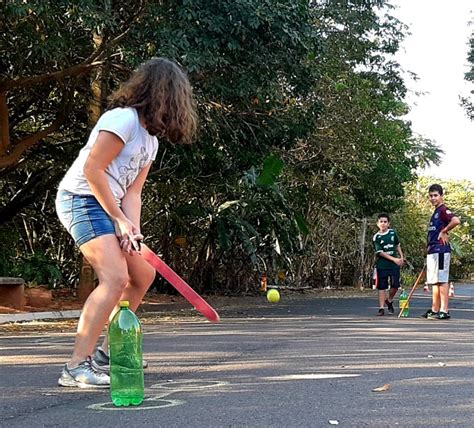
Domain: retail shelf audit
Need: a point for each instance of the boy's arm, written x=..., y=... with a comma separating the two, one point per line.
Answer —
x=399, y=248
x=443, y=236
x=400, y=252
x=387, y=256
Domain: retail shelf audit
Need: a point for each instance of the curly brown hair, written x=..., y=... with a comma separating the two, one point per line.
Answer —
x=160, y=91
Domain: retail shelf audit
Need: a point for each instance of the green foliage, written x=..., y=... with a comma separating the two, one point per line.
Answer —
x=7, y=252
x=408, y=277
x=468, y=102
x=37, y=269
x=254, y=227
x=412, y=221
x=271, y=170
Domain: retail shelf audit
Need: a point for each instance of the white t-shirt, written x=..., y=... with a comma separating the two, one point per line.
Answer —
x=139, y=150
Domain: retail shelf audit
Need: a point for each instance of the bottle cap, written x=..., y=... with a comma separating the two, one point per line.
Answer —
x=124, y=303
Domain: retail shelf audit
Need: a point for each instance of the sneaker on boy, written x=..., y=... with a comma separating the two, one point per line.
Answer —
x=83, y=376
x=443, y=315
x=381, y=312
x=433, y=316
x=390, y=306
x=428, y=313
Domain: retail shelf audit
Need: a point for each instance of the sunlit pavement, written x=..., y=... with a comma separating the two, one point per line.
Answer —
x=303, y=362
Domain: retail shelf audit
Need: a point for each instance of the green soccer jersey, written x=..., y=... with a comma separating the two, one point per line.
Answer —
x=388, y=243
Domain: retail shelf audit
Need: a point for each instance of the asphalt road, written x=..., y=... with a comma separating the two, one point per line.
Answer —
x=305, y=362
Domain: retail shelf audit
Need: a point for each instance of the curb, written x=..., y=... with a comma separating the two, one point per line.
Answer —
x=37, y=316
x=147, y=308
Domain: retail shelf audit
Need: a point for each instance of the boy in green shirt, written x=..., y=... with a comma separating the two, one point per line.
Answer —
x=389, y=259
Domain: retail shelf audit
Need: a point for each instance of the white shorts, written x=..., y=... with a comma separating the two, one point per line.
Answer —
x=437, y=268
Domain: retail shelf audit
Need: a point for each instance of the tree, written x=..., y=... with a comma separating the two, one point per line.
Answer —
x=467, y=102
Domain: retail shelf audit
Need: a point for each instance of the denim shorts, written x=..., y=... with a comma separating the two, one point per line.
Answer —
x=83, y=216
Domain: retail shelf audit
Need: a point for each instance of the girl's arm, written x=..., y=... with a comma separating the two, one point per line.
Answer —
x=132, y=201
x=104, y=151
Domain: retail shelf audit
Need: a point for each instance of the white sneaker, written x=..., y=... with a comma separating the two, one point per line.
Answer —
x=84, y=376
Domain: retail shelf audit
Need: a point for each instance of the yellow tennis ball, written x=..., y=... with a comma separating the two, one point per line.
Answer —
x=273, y=296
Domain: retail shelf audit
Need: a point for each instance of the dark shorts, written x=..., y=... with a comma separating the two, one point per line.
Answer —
x=386, y=277
x=83, y=216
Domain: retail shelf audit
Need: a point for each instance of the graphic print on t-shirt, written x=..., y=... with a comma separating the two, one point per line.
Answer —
x=128, y=173
x=388, y=243
x=439, y=220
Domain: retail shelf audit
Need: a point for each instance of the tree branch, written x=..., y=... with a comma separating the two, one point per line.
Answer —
x=27, y=82
x=4, y=125
x=35, y=185
x=15, y=154
x=97, y=58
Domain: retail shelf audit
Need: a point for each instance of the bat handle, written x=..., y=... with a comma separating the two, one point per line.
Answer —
x=137, y=244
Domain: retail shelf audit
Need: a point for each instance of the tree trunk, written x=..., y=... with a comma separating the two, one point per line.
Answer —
x=360, y=271
x=87, y=280
x=99, y=90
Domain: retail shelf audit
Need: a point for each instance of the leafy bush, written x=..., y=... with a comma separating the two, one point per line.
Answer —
x=38, y=269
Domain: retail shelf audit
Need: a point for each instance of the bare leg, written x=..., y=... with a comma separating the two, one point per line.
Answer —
x=391, y=296
x=382, y=297
x=436, y=298
x=109, y=263
x=141, y=276
x=444, y=297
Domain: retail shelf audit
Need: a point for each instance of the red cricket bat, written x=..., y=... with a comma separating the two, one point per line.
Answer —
x=177, y=282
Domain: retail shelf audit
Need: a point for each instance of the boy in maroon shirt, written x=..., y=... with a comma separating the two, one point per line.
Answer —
x=439, y=254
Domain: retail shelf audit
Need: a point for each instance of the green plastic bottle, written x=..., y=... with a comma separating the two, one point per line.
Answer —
x=402, y=300
x=127, y=386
